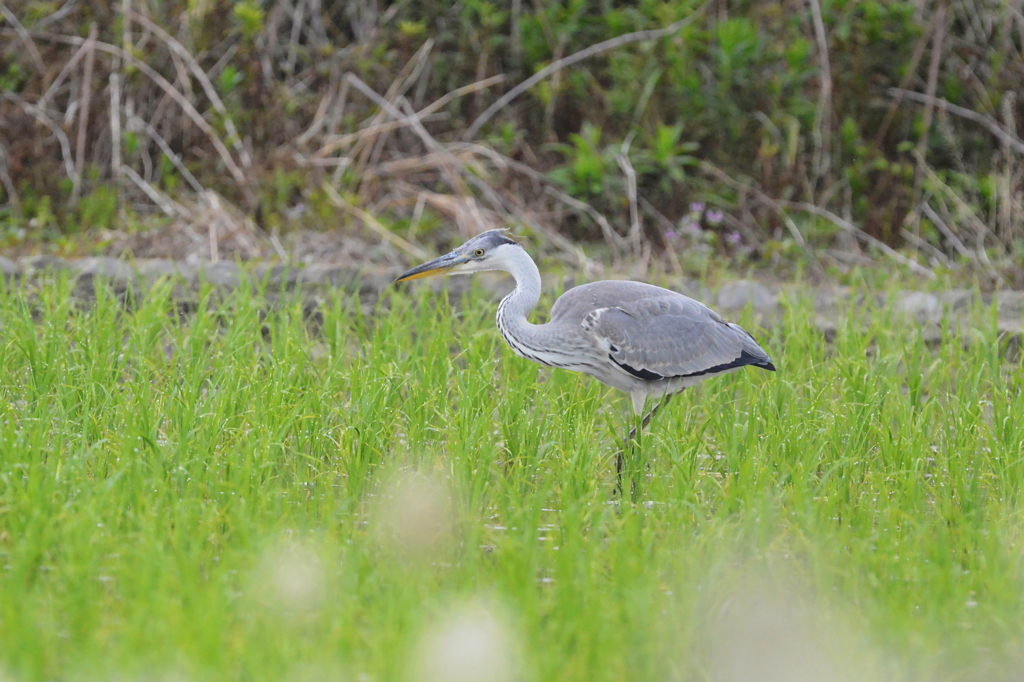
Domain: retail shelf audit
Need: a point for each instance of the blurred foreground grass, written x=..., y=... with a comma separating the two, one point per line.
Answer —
x=235, y=494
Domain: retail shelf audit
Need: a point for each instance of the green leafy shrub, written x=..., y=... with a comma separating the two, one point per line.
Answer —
x=98, y=209
x=586, y=173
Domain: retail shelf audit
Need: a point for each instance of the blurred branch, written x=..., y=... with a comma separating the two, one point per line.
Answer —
x=614, y=239
x=587, y=53
x=992, y=125
x=33, y=51
x=631, y=192
x=136, y=122
x=211, y=92
x=915, y=59
x=65, y=145
x=83, y=118
x=166, y=204
x=664, y=225
x=860, y=234
x=174, y=93
x=923, y=244
x=422, y=114
x=5, y=178
x=822, y=131
x=944, y=229
x=371, y=222
x=59, y=80
x=794, y=231
x=929, y=107
x=64, y=11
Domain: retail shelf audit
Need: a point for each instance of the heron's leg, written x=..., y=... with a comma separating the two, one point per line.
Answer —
x=620, y=458
x=650, y=415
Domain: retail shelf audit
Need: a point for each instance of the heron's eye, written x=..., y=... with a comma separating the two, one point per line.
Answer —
x=479, y=253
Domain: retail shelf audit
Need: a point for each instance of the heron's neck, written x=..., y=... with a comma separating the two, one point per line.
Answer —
x=514, y=308
x=524, y=297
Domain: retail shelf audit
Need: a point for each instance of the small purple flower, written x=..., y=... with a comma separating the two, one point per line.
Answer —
x=714, y=217
x=697, y=208
x=733, y=237
x=693, y=226
x=670, y=234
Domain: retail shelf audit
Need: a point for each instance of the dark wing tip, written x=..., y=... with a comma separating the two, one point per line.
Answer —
x=743, y=360
x=645, y=374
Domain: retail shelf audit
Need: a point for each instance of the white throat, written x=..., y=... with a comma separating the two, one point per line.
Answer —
x=514, y=260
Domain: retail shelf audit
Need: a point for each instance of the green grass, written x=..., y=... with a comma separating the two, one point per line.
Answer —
x=229, y=495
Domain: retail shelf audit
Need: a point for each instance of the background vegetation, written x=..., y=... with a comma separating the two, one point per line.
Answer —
x=760, y=130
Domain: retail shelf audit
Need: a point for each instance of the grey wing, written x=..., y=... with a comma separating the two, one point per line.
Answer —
x=654, y=333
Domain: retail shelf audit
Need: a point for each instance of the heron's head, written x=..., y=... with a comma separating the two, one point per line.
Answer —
x=489, y=250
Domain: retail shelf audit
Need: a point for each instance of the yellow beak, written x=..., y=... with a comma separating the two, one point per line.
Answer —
x=438, y=266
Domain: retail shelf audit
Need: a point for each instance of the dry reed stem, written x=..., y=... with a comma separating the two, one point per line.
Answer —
x=40, y=115
x=915, y=59
x=173, y=156
x=923, y=244
x=614, y=239
x=83, y=117
x=451, y=167
x=948, y=233
x=794, y=231
x=297, y=17
x=993, y=126
x=166, y=204
x=115, y=125
x=821, y=132
x=929, y=107
x=26, y=37
x=981, y=230
x=664, y=225
x=622, y=158
x=371, y=222
x=423, y=114
x=320, y=117
x=59, y=80
x=174, y=93
x=5, y=178
x=860, y=234
x=396, y=88
x=197, y=71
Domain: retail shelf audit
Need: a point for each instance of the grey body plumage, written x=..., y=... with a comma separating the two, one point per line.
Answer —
x=638, y=338
x=652, y=340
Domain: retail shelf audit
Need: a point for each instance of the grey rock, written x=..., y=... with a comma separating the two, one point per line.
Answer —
x=328, y=276
x=152, y=269
x=112, y=269
x=1011, y=303
x=1012, y=335
x=922, y=306
x=182, y=278
x=223, y=273
x=931, y=334
x=830, y=298
x=958, y=300
x=89, y=272
x=694, y=289
x=375, y=282
x=735, y=296
x=9, y=268
x=828, y=327
x=37, y=264
x=276, y=275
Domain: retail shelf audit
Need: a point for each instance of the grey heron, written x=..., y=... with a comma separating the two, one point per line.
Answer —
x=636, y=337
